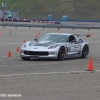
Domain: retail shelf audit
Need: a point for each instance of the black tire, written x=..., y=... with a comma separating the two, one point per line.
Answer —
x=25, y=58
x=61, y=53
x=85, y=51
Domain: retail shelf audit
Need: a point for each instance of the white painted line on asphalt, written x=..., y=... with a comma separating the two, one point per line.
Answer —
x=98, y=70
x=11, y=43
x=15, y=52
x=50, y=73
x=4, y=56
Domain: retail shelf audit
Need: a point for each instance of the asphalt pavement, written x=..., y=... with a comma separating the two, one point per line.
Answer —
x=47, y=79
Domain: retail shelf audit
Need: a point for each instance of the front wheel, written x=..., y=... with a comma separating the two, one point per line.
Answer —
x=25, y=58
x=85, y=51
x=61, y=53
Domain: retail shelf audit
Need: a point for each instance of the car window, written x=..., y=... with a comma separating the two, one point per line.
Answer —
x=54, y=38
x=71, y=38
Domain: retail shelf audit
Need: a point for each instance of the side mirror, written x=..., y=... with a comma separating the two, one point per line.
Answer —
x=36, y=39
x=74, y=41
x=80, y=40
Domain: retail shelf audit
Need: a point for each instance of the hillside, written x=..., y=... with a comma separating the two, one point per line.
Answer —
x=74, y=9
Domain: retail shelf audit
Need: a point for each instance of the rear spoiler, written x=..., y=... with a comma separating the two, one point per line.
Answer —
x=86, y=35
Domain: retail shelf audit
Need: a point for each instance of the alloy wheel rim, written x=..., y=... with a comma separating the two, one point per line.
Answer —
x=62, y=53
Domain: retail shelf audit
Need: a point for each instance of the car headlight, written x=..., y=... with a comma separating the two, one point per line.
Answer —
x=24, y=46
x=53, y=47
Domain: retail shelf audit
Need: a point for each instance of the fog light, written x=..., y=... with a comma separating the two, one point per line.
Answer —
x=22, y=51
x=51, y=53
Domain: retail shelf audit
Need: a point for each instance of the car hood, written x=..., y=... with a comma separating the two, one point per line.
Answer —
x=42, y=43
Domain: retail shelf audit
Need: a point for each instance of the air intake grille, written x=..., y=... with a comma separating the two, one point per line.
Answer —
x=36, y=53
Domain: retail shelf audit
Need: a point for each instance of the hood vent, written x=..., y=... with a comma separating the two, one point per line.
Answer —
x=41, y=44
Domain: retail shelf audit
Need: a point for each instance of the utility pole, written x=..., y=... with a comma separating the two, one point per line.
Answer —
x=12, y=16
x=3, y=12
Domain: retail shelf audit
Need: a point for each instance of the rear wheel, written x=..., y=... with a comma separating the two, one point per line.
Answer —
x=85, y=51
x=25, y=58
x=61, y=54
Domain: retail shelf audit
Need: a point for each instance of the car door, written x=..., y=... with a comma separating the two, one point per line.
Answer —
x=73, y=46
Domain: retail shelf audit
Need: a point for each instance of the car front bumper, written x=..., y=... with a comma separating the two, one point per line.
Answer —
x=39, y=54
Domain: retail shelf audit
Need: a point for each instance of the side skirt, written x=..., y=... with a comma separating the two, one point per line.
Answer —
x=73, y=56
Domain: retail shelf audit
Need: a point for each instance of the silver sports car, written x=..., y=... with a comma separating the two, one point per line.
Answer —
x=56, y=46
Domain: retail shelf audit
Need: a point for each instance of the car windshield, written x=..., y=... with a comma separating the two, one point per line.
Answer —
x=54, y=37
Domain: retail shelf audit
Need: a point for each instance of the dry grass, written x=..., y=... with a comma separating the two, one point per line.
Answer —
x=74, y=9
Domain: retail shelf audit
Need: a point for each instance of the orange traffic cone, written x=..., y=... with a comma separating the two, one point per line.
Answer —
x=0, y=34
x=90, y=65
x=38, y=33
x=17, y=49
x=9, y=53
x=24, y=41
x=91, y=35
x=36, y=36
x=10, y=32
x=58, y=28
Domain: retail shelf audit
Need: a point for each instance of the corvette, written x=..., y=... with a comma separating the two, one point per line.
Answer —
x=56, y=46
